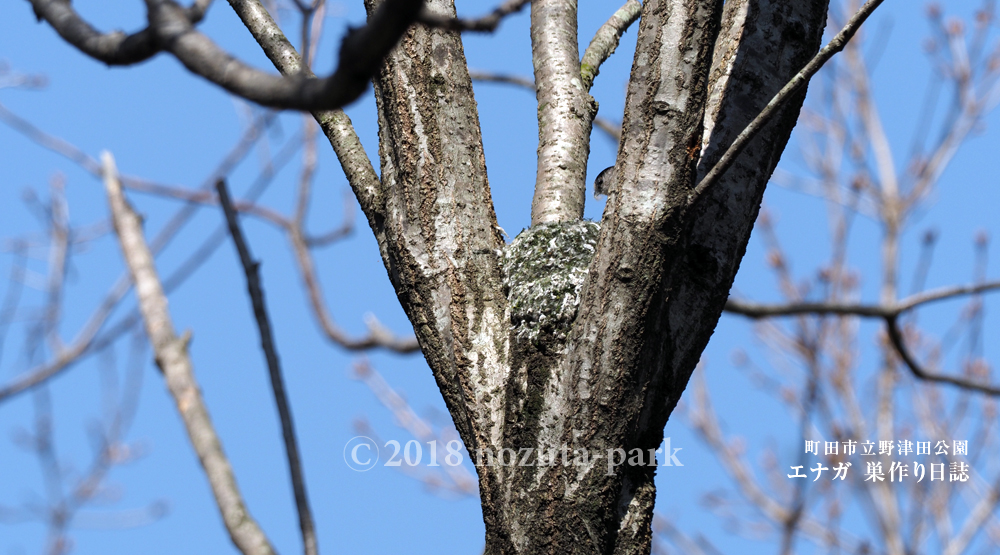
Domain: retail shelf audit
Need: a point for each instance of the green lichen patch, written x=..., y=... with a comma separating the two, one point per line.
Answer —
x=544, y=270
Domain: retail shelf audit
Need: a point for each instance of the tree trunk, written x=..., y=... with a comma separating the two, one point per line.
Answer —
x=605, y=375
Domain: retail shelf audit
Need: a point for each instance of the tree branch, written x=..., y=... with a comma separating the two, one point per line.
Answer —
x=888, y=313
x=345, y=228
x=896, y=338
x=12, y=79
x=755, y=310
x=40, y=374
x=87, y=340
x=92, y=166
x=335, y=124
x=978, y=515
x=252, y=270
x=115, y=48
x=489, y=77
x=613, y=130
x=704, y=420
x=662, y=270
x=605, y=41
x=171, y=29
x=565, y=113
x=462, y=482
x=378, y=336
x=361, y=52
x=615, y=358
x=438, y=235
x=485, y=24
x=55, y=144
x=196, y=196
x=175, y=363
x=801, y=79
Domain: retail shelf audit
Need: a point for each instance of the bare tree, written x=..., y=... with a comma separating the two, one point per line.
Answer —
x=578, y=336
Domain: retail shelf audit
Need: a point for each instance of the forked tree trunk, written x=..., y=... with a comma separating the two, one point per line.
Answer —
x=657, y=282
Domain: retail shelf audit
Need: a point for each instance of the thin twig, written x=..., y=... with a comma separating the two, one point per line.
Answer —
x=92, y=166
x=86, y=339
x=485, y=24
x=53, y=143
x=489, y=77
x=199, y=255
x=15, y=288
x=378, y=335
x=308, y=172
x=59, y=254
x=252, y=270
x=345, y=229
x=14, y=80
x=45, y=450
x=201, y=196
x=704, y=421
x=801, y=79
x=755, y=310
x=613, y=130
x=408, y=419
x=896, y=338
x=978, y=515
x=888, y=313
x=40, y=374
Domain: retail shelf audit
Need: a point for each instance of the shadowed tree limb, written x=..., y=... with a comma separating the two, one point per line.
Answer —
x=335, y=124
x=252, y=270
x=171, y=29
x=361, y=52
x=667, y=277
x=485, y=24
x=114, y=48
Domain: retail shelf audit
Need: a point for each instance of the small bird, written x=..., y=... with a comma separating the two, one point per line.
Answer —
x=605, y=179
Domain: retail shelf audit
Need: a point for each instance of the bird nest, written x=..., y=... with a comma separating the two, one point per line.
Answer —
x=544, y=270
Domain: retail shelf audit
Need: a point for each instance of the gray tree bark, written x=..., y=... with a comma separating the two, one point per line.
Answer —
x=597, y=360
x=656, y=285
x=578, y=337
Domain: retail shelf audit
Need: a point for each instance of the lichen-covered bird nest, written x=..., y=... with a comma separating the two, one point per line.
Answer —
x=544, y=270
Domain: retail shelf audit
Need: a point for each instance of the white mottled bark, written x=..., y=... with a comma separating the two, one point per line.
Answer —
x=565, y=113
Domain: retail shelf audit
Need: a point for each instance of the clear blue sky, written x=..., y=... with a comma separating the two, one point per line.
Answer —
x=168, y=126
